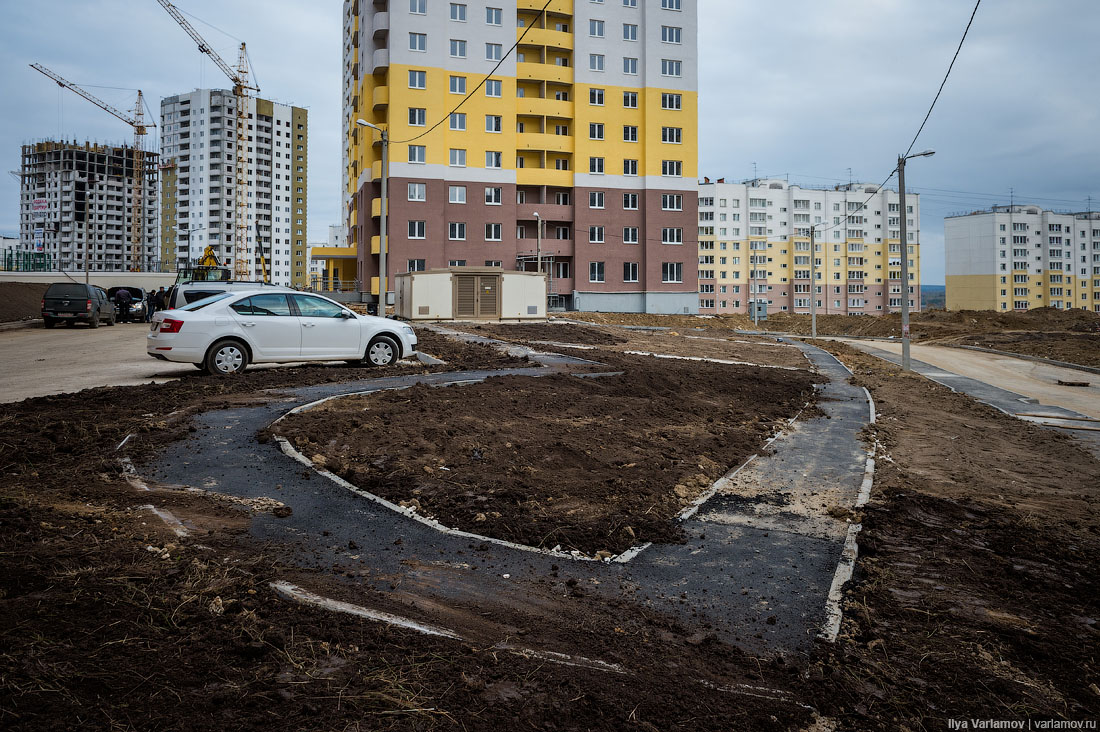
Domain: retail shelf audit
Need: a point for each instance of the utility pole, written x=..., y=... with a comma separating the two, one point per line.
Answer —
x=905, y=362
x=813, y=285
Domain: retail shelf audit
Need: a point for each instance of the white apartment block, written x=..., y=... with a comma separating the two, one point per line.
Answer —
x=198, y=203
x=1020, y=257
x=754, y=247
x=60, y=182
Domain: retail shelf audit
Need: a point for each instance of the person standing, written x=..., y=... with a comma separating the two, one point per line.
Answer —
x=150, y=304
x=161, y=299
x=123, y=299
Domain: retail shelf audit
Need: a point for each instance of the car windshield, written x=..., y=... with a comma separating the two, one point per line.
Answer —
x=200, y=304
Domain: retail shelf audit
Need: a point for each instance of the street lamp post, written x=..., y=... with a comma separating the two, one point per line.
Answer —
x=813, y=285
x=382, y=245
x=905, y=362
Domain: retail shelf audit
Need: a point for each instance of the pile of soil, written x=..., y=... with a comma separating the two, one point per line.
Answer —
x=975, y=591
x=562, y=333
x=593, y=464
x=1079, y=348
x=21, y=300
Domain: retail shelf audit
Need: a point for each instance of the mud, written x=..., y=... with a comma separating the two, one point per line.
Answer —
x=21, y=300
x=1079, y=348
x=594, y=464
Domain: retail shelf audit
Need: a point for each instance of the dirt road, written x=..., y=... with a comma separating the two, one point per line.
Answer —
x=1029, y=378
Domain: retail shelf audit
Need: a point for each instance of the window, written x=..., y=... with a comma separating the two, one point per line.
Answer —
x=630, y=100
x=630, y=167
x=671, y=34
x=672, y=202
x=418, y=79
x=561, y=270
x=493, y=123
x=630, y=201
x=456, y=194
x=595, y=28
x=417, y=153
x=630, y=235
x=415, y=265
x=561, y=198
x=630, y=65
x=494, y=159
x=672, y=135
x=672, y=235
x=670, y=67
x=595, y=271
x=418, y=42
x=595, y=62
x=492, y=263
x=417, y=229
x=458, y=157
x=420, y=7
x=672, y=272
x=630, y=271
x=458, y=48
x=630, y=3
x=595, y=165
x=458, y=85
x=672, y=168
x=595, y=235
x=492, y=51
x=630, y=133
x=493, y=231
x=493, y=196
x=595, y=199
x=458, y=121
x=560, y=164
x=671, y=101
x=456, y=231
x=494, y=88
x=630, y=32
x=418, y=117
x=670, y=5
x=595, y=131
x=595, y=97
x=418, y=192
x=456, y=262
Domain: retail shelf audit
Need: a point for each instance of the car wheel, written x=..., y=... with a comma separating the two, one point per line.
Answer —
x=226, y=357
x=382, y=351
x=48, y=322
x=93, y=322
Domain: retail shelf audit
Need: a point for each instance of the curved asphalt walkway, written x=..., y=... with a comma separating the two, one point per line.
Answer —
x=757, y=565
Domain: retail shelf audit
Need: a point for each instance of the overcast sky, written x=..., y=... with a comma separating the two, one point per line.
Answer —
x=802, y=88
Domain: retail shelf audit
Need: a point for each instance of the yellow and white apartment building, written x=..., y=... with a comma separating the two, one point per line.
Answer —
x=754, y=248
x=1020, y=257
x=588, y=127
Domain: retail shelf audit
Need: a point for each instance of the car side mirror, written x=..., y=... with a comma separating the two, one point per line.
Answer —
x=346, y=315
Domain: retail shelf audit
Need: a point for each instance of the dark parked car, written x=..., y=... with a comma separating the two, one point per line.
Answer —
x=137, y=302
x=73, y=302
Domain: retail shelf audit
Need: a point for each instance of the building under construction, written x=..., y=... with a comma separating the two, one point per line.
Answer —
x=74, y=193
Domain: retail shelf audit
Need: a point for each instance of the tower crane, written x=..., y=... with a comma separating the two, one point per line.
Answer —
x=241, y=87
x=137, y=121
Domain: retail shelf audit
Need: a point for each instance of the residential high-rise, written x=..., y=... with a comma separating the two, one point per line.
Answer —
x=589, y=127
x=1020, y=257
x=754, y=246
x=198, y=206
x=70, y=191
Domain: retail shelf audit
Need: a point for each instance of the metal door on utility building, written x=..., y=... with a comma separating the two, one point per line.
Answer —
x=476, y=296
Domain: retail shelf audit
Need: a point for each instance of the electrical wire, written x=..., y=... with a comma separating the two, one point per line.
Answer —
x=481, y=83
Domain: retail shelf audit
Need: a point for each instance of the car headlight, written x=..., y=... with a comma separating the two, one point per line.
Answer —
x=408, y=329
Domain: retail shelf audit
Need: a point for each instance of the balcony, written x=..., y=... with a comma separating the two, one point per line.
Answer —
x=376, y=244
x=540, y=107
x=544, y=72
x=562, y=7
x=381, y=59
x=546, y=37
x=376, y=207
x=548, y=211
x=376, y=170
x=381, y=97
x=381, y=24
x=544, y=177
x=544, y=141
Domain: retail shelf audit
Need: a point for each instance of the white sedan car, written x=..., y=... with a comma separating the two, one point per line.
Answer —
x=224, y=333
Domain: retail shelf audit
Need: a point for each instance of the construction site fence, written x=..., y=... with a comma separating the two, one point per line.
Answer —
x=20, y=261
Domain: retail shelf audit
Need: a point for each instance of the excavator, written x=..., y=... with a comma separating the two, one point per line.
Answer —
x=207, y=269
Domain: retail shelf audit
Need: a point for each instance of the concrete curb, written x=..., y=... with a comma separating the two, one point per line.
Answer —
x=21, y=324
x=1025, y=357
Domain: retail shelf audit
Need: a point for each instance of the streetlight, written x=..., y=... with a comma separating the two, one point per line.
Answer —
x=905, y=365
x=385, y=210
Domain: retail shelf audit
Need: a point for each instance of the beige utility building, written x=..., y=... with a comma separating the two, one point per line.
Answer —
x=470, y=293
x=1020, y=257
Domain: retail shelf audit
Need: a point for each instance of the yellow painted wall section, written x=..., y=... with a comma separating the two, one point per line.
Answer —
x=973, y=292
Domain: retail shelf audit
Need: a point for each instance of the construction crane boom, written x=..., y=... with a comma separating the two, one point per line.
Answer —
x=241, y=87
x=137, y=121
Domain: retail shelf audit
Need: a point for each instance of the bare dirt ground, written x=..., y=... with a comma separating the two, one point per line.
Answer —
x=21, y=300
x=592, y=464
x=1078, y=348
x=974, y=595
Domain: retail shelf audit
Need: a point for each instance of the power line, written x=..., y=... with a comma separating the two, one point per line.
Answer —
x=480, y=83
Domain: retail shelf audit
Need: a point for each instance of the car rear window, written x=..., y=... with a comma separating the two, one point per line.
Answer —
x=200, y=304
x=67, y=289
x=195, y=295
